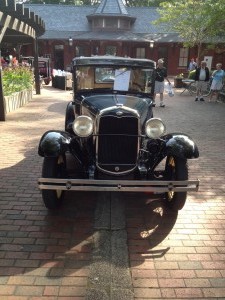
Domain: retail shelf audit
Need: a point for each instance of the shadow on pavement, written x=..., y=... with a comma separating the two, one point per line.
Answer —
x=149, y=222
x=35, y=240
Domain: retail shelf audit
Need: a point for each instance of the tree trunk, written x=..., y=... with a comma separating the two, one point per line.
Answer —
x=199, y=54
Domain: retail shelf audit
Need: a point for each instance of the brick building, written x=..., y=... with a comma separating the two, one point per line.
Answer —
x=111, y=28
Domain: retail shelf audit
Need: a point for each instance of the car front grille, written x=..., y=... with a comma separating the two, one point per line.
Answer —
x=117, y=143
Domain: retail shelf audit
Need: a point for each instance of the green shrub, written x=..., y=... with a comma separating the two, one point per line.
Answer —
x=16, y=79
x=191, y=74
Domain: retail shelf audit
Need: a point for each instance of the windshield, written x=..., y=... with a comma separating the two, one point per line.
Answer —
x=119, y=79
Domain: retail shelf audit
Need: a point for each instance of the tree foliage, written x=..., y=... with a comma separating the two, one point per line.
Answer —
x=196, y=21
x=135, y=3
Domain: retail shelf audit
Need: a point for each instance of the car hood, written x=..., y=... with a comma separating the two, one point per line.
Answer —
x=99, y=102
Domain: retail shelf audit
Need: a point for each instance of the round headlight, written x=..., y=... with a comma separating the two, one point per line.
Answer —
x=154, y=128
x=83, y=126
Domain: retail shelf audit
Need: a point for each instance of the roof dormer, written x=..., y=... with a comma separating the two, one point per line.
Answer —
x=111, y=15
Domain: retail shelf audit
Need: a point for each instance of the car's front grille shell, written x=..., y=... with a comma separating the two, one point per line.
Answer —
x=117, y=143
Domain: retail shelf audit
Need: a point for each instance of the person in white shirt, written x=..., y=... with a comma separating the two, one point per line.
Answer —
x=192, y=65
x=217, y=83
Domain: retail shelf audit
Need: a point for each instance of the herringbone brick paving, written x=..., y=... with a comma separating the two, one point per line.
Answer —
x=47, y=255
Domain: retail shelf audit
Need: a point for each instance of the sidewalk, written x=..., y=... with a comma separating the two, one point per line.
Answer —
x=55, y=255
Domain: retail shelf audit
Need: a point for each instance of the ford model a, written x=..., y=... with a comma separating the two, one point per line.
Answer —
x=113, y=138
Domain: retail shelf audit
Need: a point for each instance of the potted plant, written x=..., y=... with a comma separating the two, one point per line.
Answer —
x=17, y=86
x=178, y=83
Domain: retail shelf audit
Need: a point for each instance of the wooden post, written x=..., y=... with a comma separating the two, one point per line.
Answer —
x=36, y=69
x=2, y=105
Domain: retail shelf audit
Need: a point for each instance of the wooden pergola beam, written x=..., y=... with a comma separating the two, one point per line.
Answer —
x=15, y=18
x=5, y=20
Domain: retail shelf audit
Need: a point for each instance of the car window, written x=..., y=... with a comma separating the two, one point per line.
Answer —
x=116, y=78
x=84, y=78
x=103, y=75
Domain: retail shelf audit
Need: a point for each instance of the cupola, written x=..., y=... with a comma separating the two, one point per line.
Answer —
x=111, y=15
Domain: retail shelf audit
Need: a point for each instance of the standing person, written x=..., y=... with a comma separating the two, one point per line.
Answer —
x=161, y=75
x=217, y=82
x=201, y=78
x=192, y=65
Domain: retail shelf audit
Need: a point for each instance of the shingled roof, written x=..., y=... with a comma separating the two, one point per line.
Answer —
x=62, y=21
x=111, y=7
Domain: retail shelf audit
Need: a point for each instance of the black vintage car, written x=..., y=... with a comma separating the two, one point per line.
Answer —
x=111, y=140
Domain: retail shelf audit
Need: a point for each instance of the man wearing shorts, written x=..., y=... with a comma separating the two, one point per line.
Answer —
x=201, y=78
x=161, y=75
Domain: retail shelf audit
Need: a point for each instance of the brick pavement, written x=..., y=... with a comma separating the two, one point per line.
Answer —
x=47, y=255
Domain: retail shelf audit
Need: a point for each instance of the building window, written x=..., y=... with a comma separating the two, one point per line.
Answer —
x=98, y=23
x=59, y=47
x=47, y=56
x=80, y=51
x=124, y=24
x=110, y=50
x=126, y=52
x=183, y=58
x=111, y=23
x=95, y=50
x=140, y=52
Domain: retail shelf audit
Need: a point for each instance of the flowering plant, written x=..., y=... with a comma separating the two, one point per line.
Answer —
x=16, y=79
x=181, y=75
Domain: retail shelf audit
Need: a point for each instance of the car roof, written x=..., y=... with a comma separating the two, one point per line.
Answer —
x=108, y=60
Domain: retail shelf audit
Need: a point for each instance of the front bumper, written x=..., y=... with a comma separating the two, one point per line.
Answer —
x=117, y=185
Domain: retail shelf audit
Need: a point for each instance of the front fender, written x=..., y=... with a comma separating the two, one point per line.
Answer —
x=181, y=145
x=54, y=143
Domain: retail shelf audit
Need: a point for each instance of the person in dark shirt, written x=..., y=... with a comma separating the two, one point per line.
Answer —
x=202, y=79
x=161, y=75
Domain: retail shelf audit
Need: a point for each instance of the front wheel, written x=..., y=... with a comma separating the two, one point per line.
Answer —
x=47, y=81
x=53, y=167
x=176, y=169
